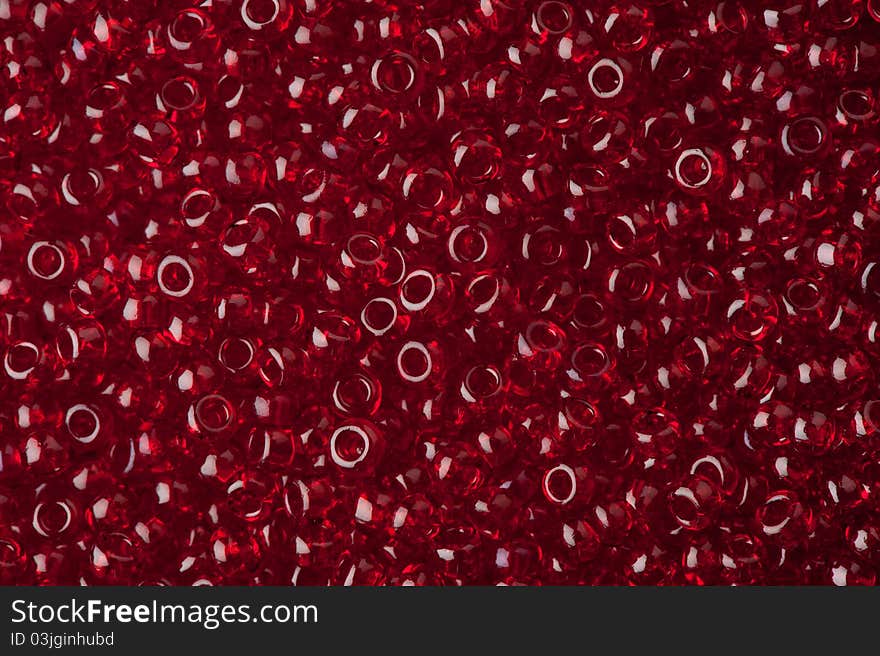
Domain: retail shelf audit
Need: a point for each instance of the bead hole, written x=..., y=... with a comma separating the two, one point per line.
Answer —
x=560, y=484
x=379, y=315
x=236, y=353
x=483, y=382
x=353, y=392
x=197, y=204
x=856, y=104
x=633, y=282
x=732, y=16
x=702, y=279
x=349, y=445
x=364, y=249
x=605, y=78
x=589, y=312
x=693, y=169
x=179, y=93
x=543, y=336
x=483, y=291
x=22, y=357
x=414, y=362
x=553, y=17
x=188, y=25
x=591, y=360
x=468, y=244
x=214, y=413
x=82, y=423
x=46, y=260
x=805, y=136
x=395, y=73
x=803, y=294
x=417, y=290
x=175, y=277
x=261, y=12
x=105, y=96
x=580, y=413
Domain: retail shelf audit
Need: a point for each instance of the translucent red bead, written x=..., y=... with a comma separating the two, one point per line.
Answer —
x=479, y=292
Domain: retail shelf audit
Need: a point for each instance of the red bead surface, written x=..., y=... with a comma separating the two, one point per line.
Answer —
x=416, y=293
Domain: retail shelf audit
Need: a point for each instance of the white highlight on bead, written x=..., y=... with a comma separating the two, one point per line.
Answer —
x=421, y=348
x=605, y=62
x=164, y=264
x=82, y=407
x=338, y=459
x=32, y=253
x=568, y=471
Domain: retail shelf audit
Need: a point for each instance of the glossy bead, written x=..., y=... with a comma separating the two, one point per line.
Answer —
x=356, y=448
x=501, y=292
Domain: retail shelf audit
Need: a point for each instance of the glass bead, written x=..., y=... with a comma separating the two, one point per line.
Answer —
x=502, y=292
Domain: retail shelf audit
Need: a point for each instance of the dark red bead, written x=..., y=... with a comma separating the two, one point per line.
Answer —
x=431, y=293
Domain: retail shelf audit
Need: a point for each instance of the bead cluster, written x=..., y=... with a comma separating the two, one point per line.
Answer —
x=439, y=292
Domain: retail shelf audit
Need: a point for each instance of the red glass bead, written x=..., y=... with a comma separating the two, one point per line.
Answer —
x=505, y=293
